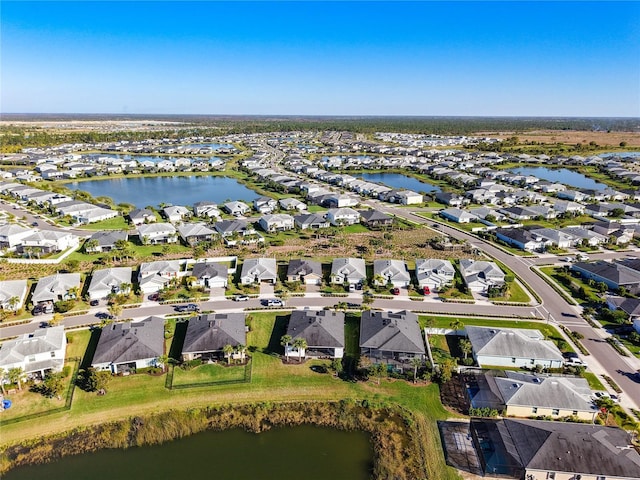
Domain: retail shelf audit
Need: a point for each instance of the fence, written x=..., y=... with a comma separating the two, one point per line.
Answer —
x=214, y=383
x=67, y=404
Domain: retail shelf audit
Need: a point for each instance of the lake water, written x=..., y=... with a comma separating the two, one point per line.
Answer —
x=397, y=180
x=561, y=175
x=309, y=452
x=178, y=190
x=213, y=146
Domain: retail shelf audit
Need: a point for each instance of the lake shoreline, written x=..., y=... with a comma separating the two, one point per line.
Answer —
x=395, y=434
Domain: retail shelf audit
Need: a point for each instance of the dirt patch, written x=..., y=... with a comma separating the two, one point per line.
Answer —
x=571, y=137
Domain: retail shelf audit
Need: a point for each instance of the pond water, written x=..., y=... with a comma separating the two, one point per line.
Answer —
x=561, y=175
x=397, y=180
x=213, y=146
x=310, y=452
x=178, y=190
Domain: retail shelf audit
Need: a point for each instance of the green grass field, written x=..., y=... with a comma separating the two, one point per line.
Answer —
x=116, y=223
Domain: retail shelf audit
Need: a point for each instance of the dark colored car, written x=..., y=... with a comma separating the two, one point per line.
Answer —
x=153, y=297
x=395, y=291
x=94, y=303
x=189, y=307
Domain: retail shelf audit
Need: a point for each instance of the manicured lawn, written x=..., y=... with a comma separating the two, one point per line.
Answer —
x=208, y=373
x=116, y=223
x=594, y=382
x=355, y=228
x=516, y=294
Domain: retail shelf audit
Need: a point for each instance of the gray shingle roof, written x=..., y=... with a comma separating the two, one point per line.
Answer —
x=211, y=332
x=210, y=270
x=393, y=332
x=303, y=266
x=511, y=342
x=130, y=341
x=324, y=328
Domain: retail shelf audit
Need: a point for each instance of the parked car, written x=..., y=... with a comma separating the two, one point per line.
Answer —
x=273, y=302
x=153, y=297
x=241, y=298
x=94, y=303
x=395, y=291
x=426, y=290
x=189, y=307
x=42, y=309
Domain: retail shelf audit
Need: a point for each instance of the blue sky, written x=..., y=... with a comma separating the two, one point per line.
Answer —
x=321, y=58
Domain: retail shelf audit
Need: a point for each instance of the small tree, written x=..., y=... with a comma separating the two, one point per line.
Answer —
x=379, y=370
x=300, y=344
x=336, y=366
x=447, y=366
x=456, y=325
x=228, y=351
x=115, y=310
x=285, y=340
x=16, y=376
x=162, y=361
x=416, y=362
x=241, y=349
x=56, y=319
x=465, y=347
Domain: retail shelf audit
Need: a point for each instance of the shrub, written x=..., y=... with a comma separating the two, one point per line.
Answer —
x=64, y=306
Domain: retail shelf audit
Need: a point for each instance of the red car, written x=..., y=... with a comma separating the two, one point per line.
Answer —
x=426, y=291
x=395, y=291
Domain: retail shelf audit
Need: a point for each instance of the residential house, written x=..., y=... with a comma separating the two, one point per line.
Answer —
x=12, y=294
x=450, y=199
x=140, y=216
x=613, y=274
x=48, y=241
x=323, y=331
x=348, y=270
x=264, y=205
x=391, y=338
x=258, y=270
x=206, y=210
x=391, y=272
x=156, y=233
x=234, y=231
x=125, y=347
x=292, y=204
x=195, y=233
x=518, y=394
x=434, y=273
x=343, y=216
x=61, y=286
x=481, y=275
x=154, y=276
x=110, y=281
x=375, y=218
x=457, y=215
x=512, y=347
x=237, y=209
x=106, y=240
x=210, y=274
x=338, y=201
x=310, y=220
x=176, y=214
x=583, y=235
x=11, y=235
x=522, y=239
x=568, y=207
x=308, y=272
x=207, y=335
x=35, y=353
x=278, y=222
x=407, y=197
x=555, y=237
x=540, y=450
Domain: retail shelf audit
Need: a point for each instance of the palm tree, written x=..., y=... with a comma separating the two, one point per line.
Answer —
x=285, y=340
x=115, y=310
x=228, y=351
x=379, y=279
x=465, y=347
x=16, y=375
x=90, y=245
x=162, y=360
x=300, y=344
x=13, y=303
x=456, y=325
x=241, y=349
x=416, y=362
x=56, y=319
x=284, y=295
